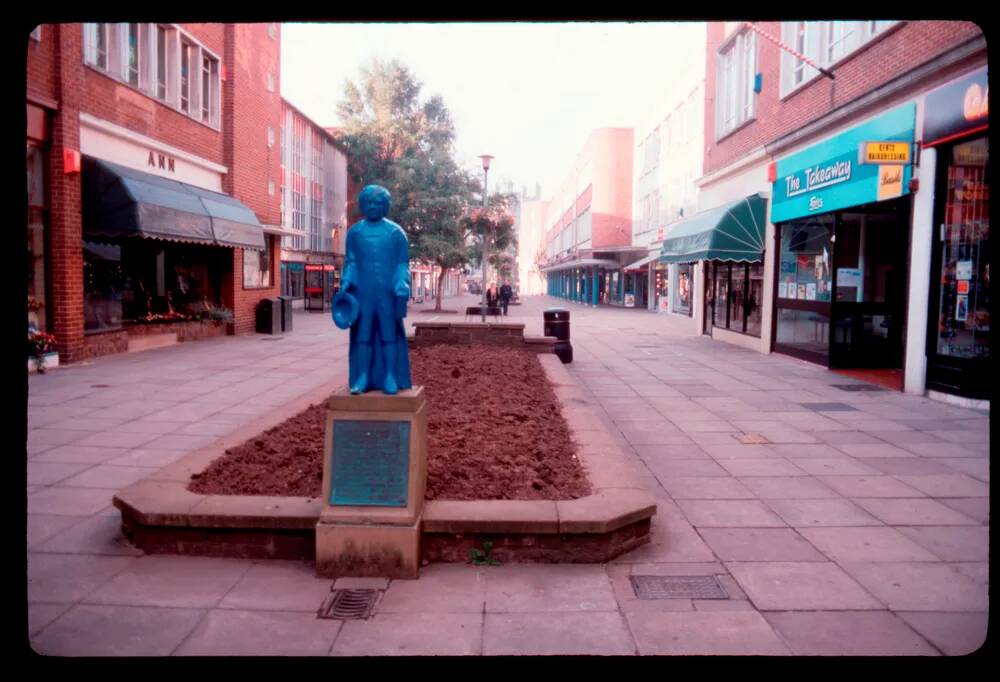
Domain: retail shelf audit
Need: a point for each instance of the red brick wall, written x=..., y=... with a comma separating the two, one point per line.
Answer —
x=42, y=63
x=65, y=220
x=884, y=58
x=249, y=108
x=111, y=100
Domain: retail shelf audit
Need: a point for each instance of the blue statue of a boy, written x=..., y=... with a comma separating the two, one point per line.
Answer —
x=375, y=287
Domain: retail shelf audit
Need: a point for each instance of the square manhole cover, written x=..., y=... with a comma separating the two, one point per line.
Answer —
x=858, y=387
x=677, y=587
x=829, y=407
x=752, y=439
x=348, y=604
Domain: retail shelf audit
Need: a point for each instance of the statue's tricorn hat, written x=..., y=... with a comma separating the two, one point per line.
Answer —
x=345, y=309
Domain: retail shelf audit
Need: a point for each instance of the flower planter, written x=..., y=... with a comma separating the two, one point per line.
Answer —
x=50, y=360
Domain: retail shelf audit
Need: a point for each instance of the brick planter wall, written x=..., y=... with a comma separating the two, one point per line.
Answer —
x=104, y=343
x=186, y=331
x=503, y=334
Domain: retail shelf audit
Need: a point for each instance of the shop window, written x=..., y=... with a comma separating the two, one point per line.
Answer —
x=737, y=67
x=682, y=288
x=37, y=214
x=103, y=284
x=720, y=296
x=662, y=288
x=257, y=267
x=963, y=325
x=736, y=292
x=755, y=296
x=804, y=271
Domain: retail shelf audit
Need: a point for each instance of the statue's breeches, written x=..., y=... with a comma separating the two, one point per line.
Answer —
x=377, y=310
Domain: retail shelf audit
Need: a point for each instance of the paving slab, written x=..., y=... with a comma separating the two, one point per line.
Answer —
x=96, y=535
x=955, y=634
x=700, y=633
x=147, y=457
x=848, y=633
x=947, y=485
x=909, y=466
x=672, y=539
x=110, y=476
x=976, y=467
x=911, y=586
x=952, y=543
x=667, y=469
x=729, y=514
x=88, y=630
x=747, y=468
x=788, y=487
x=172, y=581
x=737, y=450
x=759, y=544
x=822, y=512
x=59, y=499
x=80, y=454
x=914, y=512
x=801, y=586
x=278, y=586
x=706, y=488
x=61, y=578
x=548, y=634
x=43, y=526
x=117, y=439
x=47, y=473
x=40, y=615
x=411, y=634
x=942, y=449
x=226, y=632
x=835, y=466
x=548, y=587
x=442, y=588
x=870, y=486
x=977, y=508
x=866, y=544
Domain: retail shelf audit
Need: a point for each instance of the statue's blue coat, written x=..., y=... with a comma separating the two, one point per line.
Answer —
x=377, y=273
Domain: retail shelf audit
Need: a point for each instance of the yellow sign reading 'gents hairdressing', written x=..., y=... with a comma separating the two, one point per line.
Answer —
x=884, y=153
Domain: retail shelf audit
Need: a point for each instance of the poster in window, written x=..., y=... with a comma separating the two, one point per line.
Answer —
x=802, y=292
x=962, y=286
x=782, y=290
x=963, y=269
x=811, y=291
x=962, y=308
x=662, y=303
x=629, y=300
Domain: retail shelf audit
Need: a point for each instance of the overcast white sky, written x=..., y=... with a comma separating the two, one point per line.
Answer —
x=528, y=93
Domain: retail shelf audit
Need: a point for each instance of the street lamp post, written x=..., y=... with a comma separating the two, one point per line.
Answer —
x=486, y=172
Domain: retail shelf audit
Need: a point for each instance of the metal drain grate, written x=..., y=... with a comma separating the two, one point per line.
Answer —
x=858, y=387
x=677, y=587
x=348, y=604
x=273, y=338
x=101, y=386
x=829, y=407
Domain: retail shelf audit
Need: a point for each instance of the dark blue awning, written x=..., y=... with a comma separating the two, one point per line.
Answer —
x=122, y=202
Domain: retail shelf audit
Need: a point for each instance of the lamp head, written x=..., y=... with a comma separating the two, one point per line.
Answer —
x=486, y=161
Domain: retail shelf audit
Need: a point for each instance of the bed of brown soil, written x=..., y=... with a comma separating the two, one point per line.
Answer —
x=495, y=432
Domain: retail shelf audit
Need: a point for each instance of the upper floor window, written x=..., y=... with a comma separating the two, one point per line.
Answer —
x=161, y=61
x=737, y=67
x=272, y=30
x=37, y=33
x=824, y=43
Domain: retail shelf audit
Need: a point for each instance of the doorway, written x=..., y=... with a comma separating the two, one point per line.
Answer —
x=841, y=290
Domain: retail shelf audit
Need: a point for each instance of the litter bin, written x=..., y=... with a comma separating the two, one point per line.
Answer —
x=556, y=323
x=269, y=316
x=286, y=313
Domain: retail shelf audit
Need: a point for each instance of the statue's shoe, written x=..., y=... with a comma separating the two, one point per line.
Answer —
x=361, y=385
x=389, y=386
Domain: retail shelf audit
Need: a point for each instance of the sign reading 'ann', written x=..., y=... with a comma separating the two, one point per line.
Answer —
x=371, y=464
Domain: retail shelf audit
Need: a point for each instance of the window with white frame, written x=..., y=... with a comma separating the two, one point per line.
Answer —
x=161, y=61
x=823, y=42
x=737, y=67
x=257, y=266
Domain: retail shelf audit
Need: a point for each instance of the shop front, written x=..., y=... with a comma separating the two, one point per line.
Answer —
x=715, y=267
x=842, y=214
x=38, y=146
x=157, y=250
x=956, y=120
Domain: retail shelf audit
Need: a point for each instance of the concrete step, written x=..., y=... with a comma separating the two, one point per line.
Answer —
x=150, y=341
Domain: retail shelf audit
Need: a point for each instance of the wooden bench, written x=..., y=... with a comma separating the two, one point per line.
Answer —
x=477, y=311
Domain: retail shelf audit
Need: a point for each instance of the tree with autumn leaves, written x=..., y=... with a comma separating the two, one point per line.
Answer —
x=395, y=139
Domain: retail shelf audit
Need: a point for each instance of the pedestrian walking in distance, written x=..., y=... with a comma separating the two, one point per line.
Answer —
x=492, y=296
x=506, y=293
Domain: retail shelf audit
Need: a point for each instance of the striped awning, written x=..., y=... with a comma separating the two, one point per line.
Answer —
x=731, y=232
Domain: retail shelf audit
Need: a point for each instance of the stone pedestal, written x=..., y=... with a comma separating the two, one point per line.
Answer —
x=374, y=477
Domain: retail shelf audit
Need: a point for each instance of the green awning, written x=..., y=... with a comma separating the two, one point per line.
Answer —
x=731, y=232
x=122, y=202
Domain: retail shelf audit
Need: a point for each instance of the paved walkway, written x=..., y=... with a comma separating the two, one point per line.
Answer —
x=860, y=527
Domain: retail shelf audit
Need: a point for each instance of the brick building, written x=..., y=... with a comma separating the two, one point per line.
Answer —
x=151, y=178
x=815, y=235
x=588, y=237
